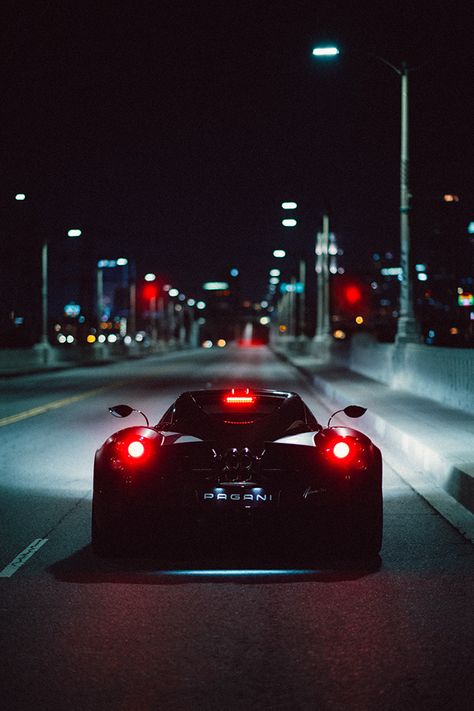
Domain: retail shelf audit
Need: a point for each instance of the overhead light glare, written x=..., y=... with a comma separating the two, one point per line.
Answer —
x=325, y=51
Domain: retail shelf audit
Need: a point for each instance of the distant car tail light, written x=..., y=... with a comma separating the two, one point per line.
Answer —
x=239, y=397
x=136, y=449
x=341, y=450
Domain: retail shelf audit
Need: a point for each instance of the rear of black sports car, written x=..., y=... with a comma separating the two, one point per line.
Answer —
x=220, y=462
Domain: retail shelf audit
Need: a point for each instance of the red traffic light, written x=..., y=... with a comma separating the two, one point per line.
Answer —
x=150, y=291
x=352, y=294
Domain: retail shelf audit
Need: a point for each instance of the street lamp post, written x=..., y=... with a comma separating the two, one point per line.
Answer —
x=43, y=343
x=323, y=321
x=44, y=295
x=407, y=328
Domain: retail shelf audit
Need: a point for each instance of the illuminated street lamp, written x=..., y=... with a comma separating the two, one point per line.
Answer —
x=407, y=329
x=325, y=52
x=289, y=222
x=43, y=341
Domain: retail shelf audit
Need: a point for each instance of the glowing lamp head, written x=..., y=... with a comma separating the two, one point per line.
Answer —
x=136, y=449
x=341, y=450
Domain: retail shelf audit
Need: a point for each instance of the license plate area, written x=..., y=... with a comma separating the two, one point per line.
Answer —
x=236, y=497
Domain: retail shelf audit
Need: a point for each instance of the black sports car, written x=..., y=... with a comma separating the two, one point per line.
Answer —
x=237, y=457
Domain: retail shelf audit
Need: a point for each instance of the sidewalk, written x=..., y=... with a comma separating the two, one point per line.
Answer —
x=431, y=446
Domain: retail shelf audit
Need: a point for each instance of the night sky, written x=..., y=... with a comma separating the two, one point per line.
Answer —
x=171, y=131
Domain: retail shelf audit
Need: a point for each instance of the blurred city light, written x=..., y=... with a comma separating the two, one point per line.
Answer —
x=391, y=271
x=279, y=253
x=215, y=286
x=289, y=222
x=201, y=305
x=265, y=320
x=173, y=292
x=191, y=302
x=275, y=272
x=111, y=263
x=451, y=198
x=20, y=196
x=289, y=205
x=74, y=233
x=234, y=272
x=221, y=342
x=422, y=276
x=150, y=276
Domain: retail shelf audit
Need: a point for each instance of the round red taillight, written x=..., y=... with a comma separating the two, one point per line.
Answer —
x=341, y=450
x=136, y=449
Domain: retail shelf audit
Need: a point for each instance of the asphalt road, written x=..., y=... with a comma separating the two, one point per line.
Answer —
x=78, y=632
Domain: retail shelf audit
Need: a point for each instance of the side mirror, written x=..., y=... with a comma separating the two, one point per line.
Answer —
x=354, y=411
x=121, y=410
x=350, y=411
x=125, y=411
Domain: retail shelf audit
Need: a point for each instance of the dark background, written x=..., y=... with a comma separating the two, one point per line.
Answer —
x=170, y=132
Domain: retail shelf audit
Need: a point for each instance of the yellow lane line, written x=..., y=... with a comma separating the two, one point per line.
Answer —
x=54, y=405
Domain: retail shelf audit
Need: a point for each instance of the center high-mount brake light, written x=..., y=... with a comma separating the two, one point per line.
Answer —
x=237, y=397
x=136, y=449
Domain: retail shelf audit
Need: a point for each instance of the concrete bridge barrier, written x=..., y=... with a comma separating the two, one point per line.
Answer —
x=445, y=375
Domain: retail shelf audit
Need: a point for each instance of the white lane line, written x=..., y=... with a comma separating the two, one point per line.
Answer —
x=10, y=419
x=22, y=557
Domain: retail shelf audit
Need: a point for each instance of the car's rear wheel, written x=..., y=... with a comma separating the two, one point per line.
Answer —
x=106, y=539
x=111, y=536
x=362, y=526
